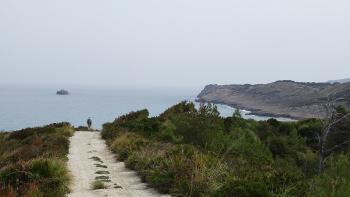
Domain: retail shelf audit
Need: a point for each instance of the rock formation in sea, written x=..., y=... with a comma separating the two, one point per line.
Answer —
x=62, y=92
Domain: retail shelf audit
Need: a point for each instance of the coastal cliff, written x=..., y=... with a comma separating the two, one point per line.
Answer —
x=286, y=98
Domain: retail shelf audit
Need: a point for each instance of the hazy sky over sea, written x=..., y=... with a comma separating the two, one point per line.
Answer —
x=173, y=42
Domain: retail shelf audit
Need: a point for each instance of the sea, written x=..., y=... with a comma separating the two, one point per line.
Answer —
x=23, y=106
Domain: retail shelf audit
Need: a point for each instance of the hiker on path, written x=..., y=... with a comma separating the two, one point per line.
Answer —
x=89, y=122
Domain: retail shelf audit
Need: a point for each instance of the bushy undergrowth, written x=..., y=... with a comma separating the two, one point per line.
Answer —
x=190, y=152
x=336, y=180
x=33, y=161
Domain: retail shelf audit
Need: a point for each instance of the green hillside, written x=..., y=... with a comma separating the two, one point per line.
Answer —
x=190, y=152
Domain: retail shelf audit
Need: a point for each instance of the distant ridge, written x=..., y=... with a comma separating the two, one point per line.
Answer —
x=285, y=98
x=339, y=81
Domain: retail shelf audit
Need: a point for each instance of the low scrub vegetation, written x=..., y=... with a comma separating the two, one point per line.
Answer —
x=194, y=152
x=33, y=161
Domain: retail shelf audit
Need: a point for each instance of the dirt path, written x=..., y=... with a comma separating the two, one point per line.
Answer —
x=89, y=154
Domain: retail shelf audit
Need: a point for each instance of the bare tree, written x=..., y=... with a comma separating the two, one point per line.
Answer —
x=330, y=119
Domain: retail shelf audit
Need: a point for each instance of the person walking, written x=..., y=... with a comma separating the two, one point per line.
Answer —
x=89, y=122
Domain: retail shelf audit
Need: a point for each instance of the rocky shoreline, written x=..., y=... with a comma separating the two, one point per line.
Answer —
x=252, y=111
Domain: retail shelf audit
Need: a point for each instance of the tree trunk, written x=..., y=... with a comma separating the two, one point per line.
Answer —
x=321, y=162
x=322, y=155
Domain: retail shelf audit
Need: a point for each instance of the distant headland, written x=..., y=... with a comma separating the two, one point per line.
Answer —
x=285, y=98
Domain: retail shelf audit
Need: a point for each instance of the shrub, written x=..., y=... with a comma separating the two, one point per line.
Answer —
x=167, y=132
x=97, y=184
x=126, y=143
x=52, y=174
x=278, y=146
x=242, y=188
x=335, y=181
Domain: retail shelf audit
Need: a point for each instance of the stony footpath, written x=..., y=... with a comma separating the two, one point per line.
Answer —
x=91, y=160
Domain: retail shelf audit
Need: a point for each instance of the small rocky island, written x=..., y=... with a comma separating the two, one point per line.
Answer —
x=62, y=92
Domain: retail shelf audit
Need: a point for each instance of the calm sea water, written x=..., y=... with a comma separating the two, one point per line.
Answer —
x=26, y=106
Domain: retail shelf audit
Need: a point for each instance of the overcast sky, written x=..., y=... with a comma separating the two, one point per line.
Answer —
x=173, y=42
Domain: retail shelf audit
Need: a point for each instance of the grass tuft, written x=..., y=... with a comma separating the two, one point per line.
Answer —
x=103, y=178
x=98, y=185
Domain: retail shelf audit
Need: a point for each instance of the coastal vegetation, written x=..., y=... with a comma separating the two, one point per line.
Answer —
x=194, y=152
x=33, y=161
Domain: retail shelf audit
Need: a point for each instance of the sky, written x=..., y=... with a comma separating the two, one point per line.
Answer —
x=181, y=43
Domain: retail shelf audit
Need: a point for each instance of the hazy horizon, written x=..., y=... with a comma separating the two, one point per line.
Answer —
x=162, y=43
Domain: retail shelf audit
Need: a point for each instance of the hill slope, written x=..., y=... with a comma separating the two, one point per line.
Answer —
x=281, y=98
x=33, y=161
x=340, y=81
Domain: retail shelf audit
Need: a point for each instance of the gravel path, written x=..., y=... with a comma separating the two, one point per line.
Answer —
x=89, y=154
